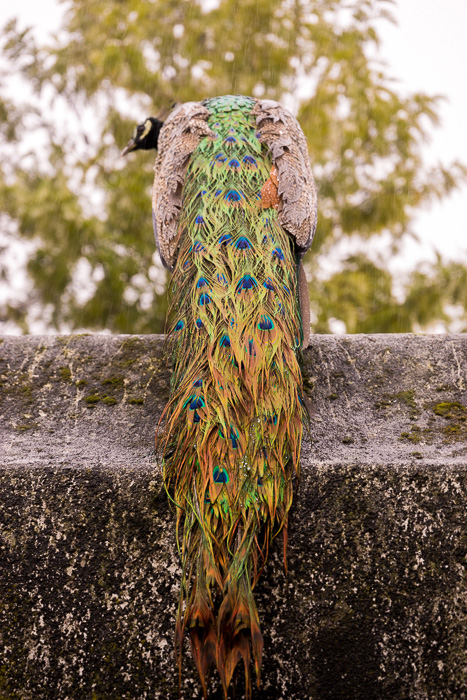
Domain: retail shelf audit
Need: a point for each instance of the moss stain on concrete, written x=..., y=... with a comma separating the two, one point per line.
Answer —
x=374, y=603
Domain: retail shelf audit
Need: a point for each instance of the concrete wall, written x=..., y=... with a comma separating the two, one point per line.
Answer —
x=375, y=603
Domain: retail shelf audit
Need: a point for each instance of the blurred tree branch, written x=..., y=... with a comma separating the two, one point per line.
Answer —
x=88, y=214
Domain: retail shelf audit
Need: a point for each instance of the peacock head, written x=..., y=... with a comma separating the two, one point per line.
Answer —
x=145, y=137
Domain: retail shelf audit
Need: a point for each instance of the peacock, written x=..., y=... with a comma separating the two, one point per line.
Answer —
x=234, y=210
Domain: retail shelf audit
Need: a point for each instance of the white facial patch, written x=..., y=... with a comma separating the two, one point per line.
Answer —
x=147, y=128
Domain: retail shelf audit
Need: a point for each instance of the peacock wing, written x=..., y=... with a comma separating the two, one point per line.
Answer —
x=297, y=208
x=179, y=137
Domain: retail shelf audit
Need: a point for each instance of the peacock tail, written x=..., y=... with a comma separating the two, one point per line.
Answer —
x=234, y=421
x=234, y=209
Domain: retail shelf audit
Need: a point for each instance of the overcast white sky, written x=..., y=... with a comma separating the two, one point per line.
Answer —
x=427, y=52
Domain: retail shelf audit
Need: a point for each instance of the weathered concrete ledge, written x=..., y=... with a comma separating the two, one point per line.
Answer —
x=375, y=603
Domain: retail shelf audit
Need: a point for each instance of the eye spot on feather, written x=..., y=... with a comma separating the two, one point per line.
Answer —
x=204, y=299
x=220, y=475
x=243, y=243
x=246, y=283
x=266, y=323
x=250, y=161
x=225, y=239
x=234, y=437
x=233, y=196
x=278, y=254
x=179, y=325
x=197, y=402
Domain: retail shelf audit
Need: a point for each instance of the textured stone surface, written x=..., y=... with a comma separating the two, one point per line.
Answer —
x=375, y=603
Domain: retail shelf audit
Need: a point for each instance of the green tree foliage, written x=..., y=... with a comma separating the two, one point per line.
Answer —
x=84, y=212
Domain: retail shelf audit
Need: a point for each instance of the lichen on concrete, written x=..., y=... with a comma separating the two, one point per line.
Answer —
x=375, y=602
